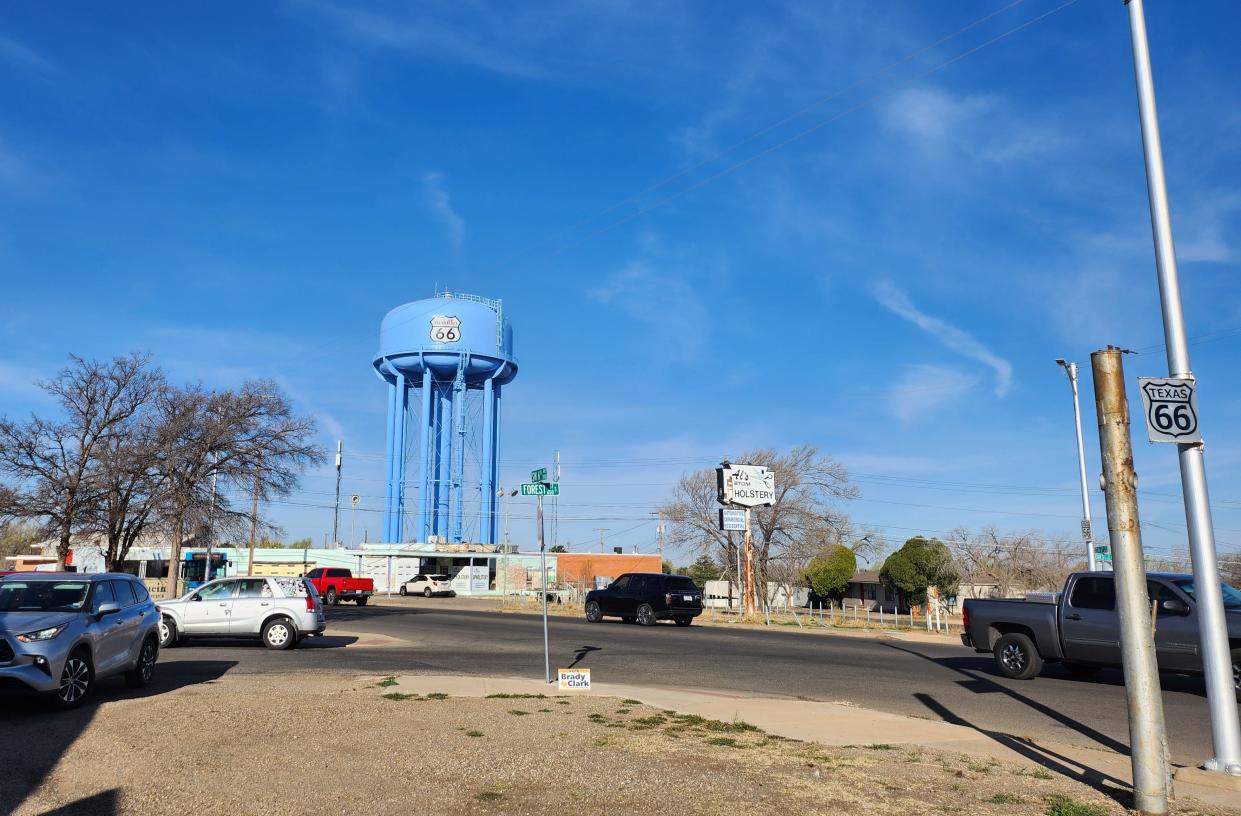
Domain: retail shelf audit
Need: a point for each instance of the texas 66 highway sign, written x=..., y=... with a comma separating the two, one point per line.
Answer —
x=1171, y=409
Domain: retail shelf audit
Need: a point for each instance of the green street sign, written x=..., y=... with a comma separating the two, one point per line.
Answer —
x=539, y=475
x=540, y=489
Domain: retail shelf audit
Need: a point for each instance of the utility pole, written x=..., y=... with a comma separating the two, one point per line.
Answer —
x=556, y=499
x=1212, y=626
x=748, y=591
x=601, y=531
x=254, y=524
x=336, y=514
x=1087, y=531
x=1148, y=742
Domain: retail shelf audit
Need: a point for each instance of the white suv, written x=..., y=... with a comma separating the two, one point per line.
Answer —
x=281, y=611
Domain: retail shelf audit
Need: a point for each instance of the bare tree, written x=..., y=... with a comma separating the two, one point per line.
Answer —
x=1012, y=562
x=803, y=520
x=249, y=440
x=51, y=466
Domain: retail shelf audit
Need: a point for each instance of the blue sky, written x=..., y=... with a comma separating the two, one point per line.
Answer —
x=887, y=269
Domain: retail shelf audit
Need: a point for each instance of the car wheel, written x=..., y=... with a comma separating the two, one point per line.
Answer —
x=167, y=633
x=1016, y=657
x=427, y=593
x=593, y=613
x=646, y=615
x=1081, y=669
x=140, y=675
x=330, y=597
x=362, y=599
x=404, y=591
x=683, y=621
x=279, y=633
x=77, y=679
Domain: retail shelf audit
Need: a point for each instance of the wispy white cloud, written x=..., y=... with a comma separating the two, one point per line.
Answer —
x=20, y=56
x=441, y=205
x=957, y=339
x=923, y=389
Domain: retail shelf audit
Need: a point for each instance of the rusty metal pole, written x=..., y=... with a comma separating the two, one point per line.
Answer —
x=1148, y=742
x=749, y=588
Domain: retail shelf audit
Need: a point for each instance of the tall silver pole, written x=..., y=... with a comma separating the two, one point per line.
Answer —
x=1148, y=741
x=1087, y=530
x=1212, y=626
x=336, y=512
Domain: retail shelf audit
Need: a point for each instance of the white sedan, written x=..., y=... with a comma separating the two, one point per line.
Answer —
x=428, y=585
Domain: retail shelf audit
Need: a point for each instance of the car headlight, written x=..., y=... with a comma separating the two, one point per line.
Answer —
x=42, y=634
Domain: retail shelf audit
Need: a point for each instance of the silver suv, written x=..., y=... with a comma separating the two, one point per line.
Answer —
x=280, y=611
x=61, y=633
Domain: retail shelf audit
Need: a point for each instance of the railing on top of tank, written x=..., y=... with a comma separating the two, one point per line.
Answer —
x=494, y=303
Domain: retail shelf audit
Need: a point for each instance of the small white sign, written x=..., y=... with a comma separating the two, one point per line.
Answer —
x=1171, y=409
x=732, y=519
x=445, y=329
x=749, y=486
x=574, y=679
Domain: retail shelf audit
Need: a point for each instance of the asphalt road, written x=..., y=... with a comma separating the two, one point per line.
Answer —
x=945, y=682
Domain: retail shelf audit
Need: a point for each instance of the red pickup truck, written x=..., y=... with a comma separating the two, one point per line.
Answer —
x=334, y=585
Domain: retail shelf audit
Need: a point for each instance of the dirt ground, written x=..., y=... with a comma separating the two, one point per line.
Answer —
x=322, y=744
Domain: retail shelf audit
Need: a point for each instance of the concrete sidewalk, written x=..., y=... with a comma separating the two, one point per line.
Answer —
x=839, y=724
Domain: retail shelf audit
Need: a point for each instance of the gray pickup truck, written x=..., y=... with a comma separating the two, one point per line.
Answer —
x=1079, y=627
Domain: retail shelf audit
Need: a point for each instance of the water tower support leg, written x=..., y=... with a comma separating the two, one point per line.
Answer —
x=488, y=486
x=444, y=433
x=424, y=454
x=387, y=529
x=494, y=442
x=402, y=405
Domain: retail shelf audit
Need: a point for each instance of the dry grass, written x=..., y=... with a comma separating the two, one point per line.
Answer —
x=257, y=742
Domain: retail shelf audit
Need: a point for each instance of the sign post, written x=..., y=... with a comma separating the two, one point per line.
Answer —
x=1212, y=625
x=746, y=486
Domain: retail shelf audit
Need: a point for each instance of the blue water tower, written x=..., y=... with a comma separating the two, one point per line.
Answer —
x=453, y=353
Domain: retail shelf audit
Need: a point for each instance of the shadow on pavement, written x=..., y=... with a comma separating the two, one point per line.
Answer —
x=580, y=653
x=1106, y=784
x=35, y=736
x=337, y=614
x=320, y=642
x=970, y=668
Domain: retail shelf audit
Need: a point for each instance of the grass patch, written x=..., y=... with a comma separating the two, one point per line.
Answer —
x=1059, y=805
x=881, y=746
x=563, y=702
x=1042, y=773
x=398, y=696
x=597, y=718
x=980, y=767
x=545, y=711
x=650, y=722
x=488, y=796
x=474, y=734
x=437, y=695
x=729, y=742
x=623, y=710
x=387, y=681
x=1005, y=799
x=517, y=712
x=690, y=719
x=630, y=701
x=516, y=696
x=734, y=727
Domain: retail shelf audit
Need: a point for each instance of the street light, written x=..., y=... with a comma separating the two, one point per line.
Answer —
x=1071, y=370
x=503, y=491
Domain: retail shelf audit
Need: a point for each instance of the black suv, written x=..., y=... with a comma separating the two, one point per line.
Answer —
x=646, y=597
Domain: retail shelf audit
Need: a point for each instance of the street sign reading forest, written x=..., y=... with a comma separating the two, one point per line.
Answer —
x=539, y=475
x=540, y=489
x=746, y=485
x=1171, y=409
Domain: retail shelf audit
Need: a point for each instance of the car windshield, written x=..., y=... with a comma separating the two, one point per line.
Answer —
x=1232, y=598
x=43, y=596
